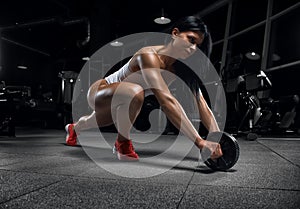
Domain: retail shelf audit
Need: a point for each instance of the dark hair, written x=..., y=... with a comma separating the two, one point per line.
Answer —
x=193, y=23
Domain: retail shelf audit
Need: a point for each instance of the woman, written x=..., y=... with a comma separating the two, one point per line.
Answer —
x=119, y=93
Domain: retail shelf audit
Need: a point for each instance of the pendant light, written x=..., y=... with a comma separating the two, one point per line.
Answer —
x=162, y=19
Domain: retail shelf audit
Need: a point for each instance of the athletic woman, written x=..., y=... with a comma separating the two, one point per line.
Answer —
x=122, y=93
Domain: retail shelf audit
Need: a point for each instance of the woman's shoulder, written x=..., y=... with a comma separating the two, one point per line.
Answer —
x=148, y=54
x=149, y=49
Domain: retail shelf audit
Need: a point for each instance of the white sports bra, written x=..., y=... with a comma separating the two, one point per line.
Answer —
x=125, y=74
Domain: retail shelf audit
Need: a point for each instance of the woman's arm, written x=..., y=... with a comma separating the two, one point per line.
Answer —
x=149, y=64
x=206, y=115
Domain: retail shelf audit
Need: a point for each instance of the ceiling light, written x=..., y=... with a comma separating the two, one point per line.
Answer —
x=85, y=58
x=22, y=67
x=116, y=43
x=275, y=57
x=252, y=56
x=162, y=19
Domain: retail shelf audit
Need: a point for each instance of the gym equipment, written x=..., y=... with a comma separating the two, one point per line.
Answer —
x=12, y=98
x=243, y=93
x=68, y=79
x=278, y=115
x=142, y=122
x=158, y=124
x=230, y=149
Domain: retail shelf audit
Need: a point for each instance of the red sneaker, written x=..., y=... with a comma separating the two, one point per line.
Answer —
x=71, y=138
x=125, y=151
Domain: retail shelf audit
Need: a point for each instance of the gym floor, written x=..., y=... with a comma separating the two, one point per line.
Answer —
x=37, y=170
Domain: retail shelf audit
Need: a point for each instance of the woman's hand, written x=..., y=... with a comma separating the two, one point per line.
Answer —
x=209, y=149
x=214, y=148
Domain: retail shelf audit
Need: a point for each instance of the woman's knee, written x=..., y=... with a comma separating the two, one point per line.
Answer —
x=119, y=94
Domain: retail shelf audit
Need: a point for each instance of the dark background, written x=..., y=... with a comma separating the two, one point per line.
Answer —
x=52, y=36
x=46, y=35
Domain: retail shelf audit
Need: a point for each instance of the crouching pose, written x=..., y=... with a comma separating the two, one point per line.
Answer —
x=121, y=94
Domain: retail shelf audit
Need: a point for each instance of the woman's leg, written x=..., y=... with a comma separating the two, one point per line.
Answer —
x=119, y=103
x=86, y=122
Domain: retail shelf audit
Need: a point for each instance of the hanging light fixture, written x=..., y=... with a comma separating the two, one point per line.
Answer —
x=116, y=43
x=22, y=65
x=252, y=55
x=275, y=57
x=162, y=19
x=85, y=58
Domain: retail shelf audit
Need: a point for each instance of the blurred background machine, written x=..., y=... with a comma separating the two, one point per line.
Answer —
x=251, y=108
x=12, y=99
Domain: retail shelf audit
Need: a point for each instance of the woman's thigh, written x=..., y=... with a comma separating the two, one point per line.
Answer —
x=106, y=98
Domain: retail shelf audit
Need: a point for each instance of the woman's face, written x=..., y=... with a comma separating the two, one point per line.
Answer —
x=186, y=42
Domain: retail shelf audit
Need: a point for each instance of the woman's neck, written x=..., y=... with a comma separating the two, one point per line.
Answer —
x=166, y=55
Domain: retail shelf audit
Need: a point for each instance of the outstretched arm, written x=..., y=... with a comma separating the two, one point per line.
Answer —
x=149, y=64
x=151, y=71
x=206, y=115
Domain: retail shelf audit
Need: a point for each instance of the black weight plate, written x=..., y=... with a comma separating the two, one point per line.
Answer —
x=230, y=149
